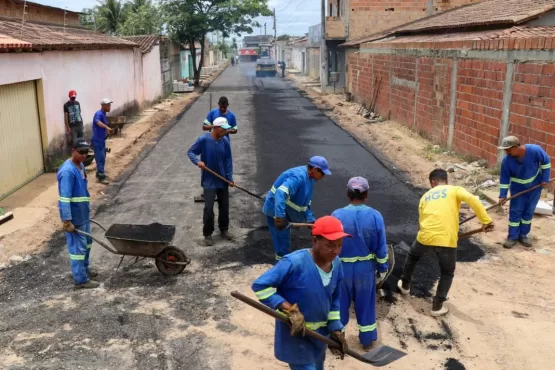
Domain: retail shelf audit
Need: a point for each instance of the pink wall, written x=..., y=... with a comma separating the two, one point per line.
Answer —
x=152, y=75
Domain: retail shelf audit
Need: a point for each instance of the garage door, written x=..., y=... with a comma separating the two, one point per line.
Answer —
x=20, y=139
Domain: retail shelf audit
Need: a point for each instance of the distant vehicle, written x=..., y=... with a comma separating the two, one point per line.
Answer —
x=266, y=67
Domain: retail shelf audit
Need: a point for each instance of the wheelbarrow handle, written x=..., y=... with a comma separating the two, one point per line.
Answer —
x=97, y=240
x=99, y=225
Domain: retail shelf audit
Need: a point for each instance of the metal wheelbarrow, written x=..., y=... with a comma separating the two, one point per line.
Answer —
x=144, y=241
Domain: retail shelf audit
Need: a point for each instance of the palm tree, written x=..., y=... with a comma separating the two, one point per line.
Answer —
x=134, y=5
x=110, y=15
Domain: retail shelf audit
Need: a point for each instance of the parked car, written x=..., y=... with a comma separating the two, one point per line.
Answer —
x=266, y=67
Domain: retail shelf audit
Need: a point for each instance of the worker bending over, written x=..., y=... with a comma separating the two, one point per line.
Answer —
x=74, y=203
x=363, y=256
x=523, y=167
x=313, y=304
x=289, y=201
x=215, y=153
x=439, y=232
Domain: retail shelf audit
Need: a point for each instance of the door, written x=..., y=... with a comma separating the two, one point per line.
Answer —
x=20, y=138
x=303, y=58
x=191, y=70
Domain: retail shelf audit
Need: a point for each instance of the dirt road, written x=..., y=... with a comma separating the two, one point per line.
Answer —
x=139, y=319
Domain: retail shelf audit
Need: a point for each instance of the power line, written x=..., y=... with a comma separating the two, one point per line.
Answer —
x=286, y=6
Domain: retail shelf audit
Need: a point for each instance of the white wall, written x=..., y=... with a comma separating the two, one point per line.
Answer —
x=152, y=75
x=297, y=59
x=94, y=74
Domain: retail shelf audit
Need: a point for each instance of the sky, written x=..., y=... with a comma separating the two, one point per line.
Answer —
x=293, y=16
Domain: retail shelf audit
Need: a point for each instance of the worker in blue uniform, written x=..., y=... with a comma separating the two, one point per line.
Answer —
x=221, y=111
x=364, y=258
x=312, y=304
x=215, y=153
x=289, y=201
x=523, y=167
x=74, y=204
x=101, y=130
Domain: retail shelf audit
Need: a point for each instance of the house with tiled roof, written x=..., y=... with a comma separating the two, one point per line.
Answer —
x=466, y=77
x=45, y=53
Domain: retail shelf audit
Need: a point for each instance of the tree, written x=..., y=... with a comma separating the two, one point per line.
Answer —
x=234, y=43
x=224, y=48
x=109, y=16
x=189, y=21
x=88, y=18
x=143, y=20
x=284, y=37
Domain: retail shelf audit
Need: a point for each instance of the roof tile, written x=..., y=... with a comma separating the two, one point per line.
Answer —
x=146, y=42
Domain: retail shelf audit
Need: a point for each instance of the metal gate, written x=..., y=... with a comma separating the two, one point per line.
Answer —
x=20, y=138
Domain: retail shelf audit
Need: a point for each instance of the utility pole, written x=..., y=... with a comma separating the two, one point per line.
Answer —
x=275, y=36
x=323, y=50
x=264, y=29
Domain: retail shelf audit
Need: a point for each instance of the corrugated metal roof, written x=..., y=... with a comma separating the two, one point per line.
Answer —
x=32, y=36
x=146, y=42
x=503, y=13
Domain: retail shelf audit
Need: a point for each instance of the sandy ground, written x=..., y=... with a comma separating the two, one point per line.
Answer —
x=35, y=205
x=502, y=314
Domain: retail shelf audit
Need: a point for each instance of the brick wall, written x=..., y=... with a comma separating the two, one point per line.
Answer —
x=371, y=16
x=38, y=13
x=415, y=90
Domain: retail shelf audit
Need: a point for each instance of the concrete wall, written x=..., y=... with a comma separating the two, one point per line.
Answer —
x=313, y=62
x=38, y=13
x=464, y=95
x=152, y=75
x=297, y=59
x=96, y=74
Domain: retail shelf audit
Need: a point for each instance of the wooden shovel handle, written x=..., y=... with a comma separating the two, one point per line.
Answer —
x=229, y=182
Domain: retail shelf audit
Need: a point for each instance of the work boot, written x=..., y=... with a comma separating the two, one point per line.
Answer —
x=227, y=235
x=92, y=272
x=368, y=347
x=438, y=309
x=208, y=241
x=403, y=287
x=525, y=241
x=509, y=243
x=91, y=284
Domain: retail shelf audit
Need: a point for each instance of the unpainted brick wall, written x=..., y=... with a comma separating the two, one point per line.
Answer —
x=38, y=13
x=416, y=92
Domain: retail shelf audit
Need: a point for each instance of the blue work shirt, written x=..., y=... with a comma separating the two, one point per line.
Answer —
x=99, y=133
x=215, y=113
x=291, y=196
x=74, y=199
x=296, y=279
x=524, y=173
x=368, y=241
x=216, y=155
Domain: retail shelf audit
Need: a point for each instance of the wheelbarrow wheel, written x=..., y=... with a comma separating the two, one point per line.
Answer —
x=171, y=254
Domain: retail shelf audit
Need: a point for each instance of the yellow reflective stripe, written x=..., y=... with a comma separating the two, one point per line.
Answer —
x=316, y=325
x=333, y=315
x=288, y=202
x=545, y=166
x=382, y=260
x=273, y=189
x=367, y=328
x=503, y=186
x=207, y=122
x=74, y=199
x=525, y=222
x=526, y=181
x=369, y=257
x=309, y=203
x=278, y=257
x=77, y=257
x=284, y=189
x=89, y=246
x=514, y=224
x=266, y=293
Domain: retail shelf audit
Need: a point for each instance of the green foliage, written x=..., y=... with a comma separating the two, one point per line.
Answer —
x=189, y=21
x=234, y=43
x=284, y=37
x=110, y=15
x=224, y=48
x=142, y=20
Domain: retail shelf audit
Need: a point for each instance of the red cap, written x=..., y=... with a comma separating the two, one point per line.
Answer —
x=329, y=227
x=72, y=93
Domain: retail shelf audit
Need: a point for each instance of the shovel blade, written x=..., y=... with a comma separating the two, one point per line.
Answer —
x=402, y=247
x=383, y=356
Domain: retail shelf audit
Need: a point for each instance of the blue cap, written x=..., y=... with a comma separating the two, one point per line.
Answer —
x=321, y=163
x=358, y=183
x=221, y=122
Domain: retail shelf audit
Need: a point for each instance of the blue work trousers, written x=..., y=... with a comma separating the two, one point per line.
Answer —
x=280, y=238
x=79, y=247
x=318, y=365
x=99, y=148
x=521, y=212
x=359, y=286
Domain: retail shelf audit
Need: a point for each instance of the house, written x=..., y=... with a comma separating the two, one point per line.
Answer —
x=348, y=20
x=157, y=66
x=257, y=41
x=187, y=61
x=467, y=77
x=298, y=53
x=43, y=56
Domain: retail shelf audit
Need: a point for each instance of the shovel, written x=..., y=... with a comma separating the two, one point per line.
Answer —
x=378, y=357
x=235, y=185
x=506, y=200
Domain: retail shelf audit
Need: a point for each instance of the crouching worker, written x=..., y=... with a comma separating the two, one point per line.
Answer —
x=74, y=203
x=314, y=304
